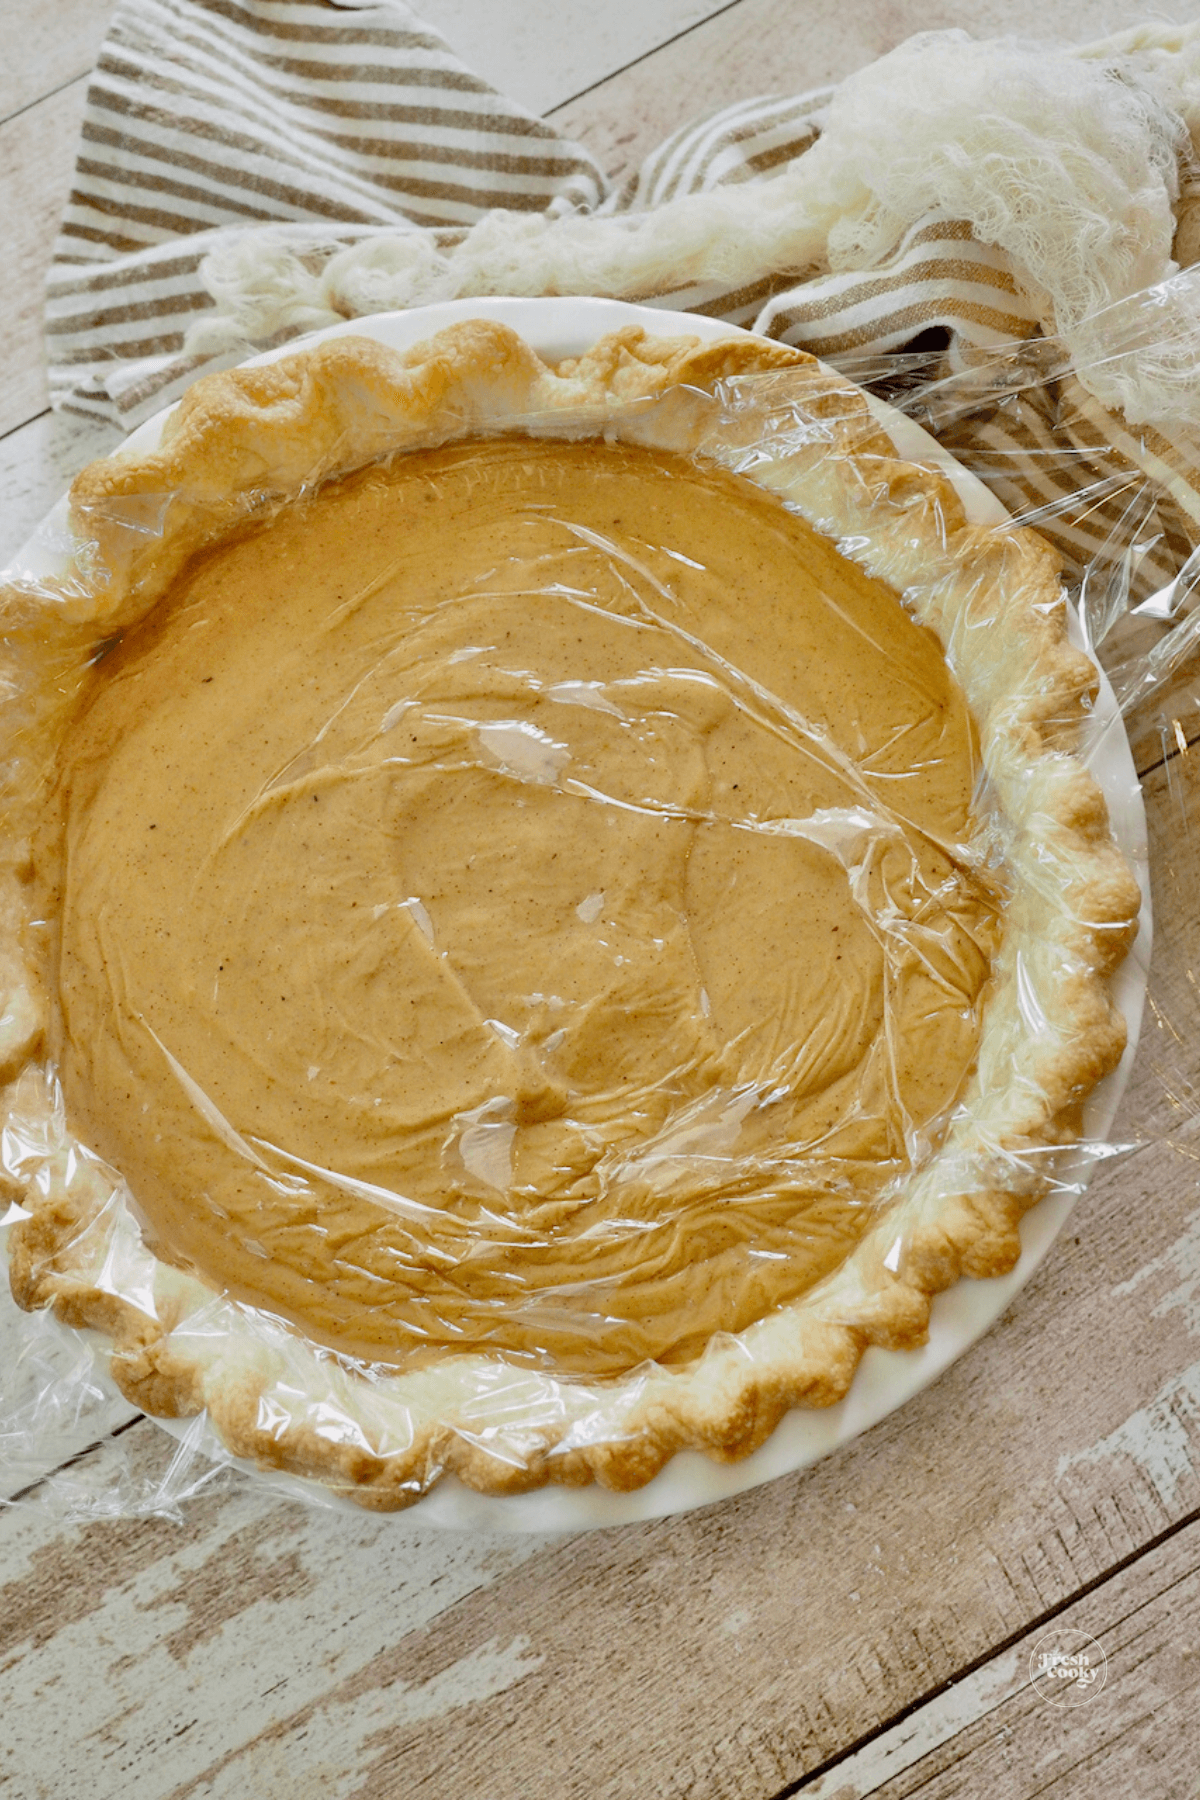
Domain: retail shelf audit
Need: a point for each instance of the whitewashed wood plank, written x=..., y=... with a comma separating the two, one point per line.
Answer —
x=38, y=462
x=994, y=1733
x=540, y=59
x=773, y=47
x=52, y=46
x=37, y=157
x=175, y=1642
x=542, y=56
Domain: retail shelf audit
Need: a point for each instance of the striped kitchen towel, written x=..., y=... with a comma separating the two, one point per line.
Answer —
x=252, y=169
x=349, y=125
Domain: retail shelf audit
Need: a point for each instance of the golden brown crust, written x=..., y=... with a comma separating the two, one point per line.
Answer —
x=242, y=439
x=250, y=438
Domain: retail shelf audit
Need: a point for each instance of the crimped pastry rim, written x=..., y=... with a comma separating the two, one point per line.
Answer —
x=733, y=1410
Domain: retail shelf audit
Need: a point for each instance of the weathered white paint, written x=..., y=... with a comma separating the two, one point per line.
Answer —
x=994, y=1734
x=282, y=1763
x=58, y=43
x=1162, y=1439
x=1181, y=1263
x=312, y=1595
x=935, y=1724
x=37, y=157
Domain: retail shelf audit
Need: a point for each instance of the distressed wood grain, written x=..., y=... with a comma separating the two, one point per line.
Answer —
x=55, y=1401
x=994, y=1733
x=175, y=1644
x=774, y=47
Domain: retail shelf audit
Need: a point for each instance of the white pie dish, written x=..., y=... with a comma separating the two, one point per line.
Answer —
x=558, y=328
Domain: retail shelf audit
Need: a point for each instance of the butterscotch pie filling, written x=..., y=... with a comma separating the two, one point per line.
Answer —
x=530, y=987
x=523, y=897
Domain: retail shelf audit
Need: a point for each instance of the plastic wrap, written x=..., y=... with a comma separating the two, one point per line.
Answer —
x=620, y=1139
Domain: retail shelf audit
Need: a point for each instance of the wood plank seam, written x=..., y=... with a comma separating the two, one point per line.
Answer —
x=79, y=75
x=615, y=74
x=69, y=1462
x=990, y=1723
x=1182, y=744
x=31, y=420
x=1036, y=1623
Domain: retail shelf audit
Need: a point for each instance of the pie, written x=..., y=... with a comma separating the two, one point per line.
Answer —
x=548, y=906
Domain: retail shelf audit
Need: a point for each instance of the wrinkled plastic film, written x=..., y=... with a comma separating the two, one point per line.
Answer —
x=1117, y=500
x=649, y=1134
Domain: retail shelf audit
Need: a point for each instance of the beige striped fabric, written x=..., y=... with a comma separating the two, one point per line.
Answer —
x=329, y=123
x=333, y=122
x=1122, y=507
x=939, y=276
x=206, y=116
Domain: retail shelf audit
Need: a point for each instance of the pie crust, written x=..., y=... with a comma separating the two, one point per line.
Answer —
x=251, y=439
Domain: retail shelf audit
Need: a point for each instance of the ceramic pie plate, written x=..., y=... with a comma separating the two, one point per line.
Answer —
x=886, y=1378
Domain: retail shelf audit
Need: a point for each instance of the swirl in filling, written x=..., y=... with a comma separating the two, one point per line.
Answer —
x=519, y=898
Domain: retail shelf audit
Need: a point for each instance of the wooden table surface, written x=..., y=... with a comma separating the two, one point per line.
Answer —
x=863, y=1628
